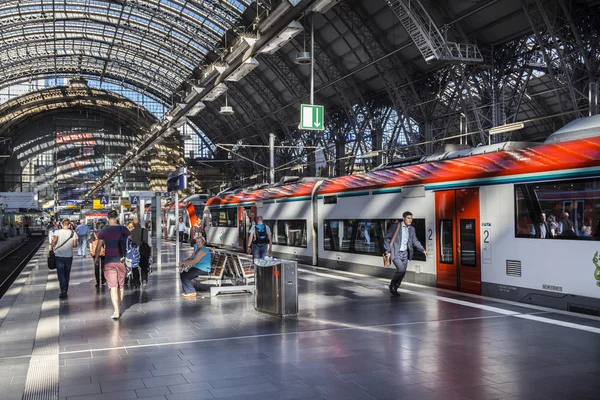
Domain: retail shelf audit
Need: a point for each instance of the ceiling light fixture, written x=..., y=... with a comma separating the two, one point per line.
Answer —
x=226, y=109
x=243, y=70
x=287, y=34
x=215, y=92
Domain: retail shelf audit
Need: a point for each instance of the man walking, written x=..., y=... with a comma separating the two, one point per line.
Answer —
x=63, y=241
x=83, y=232
x=141, y=237
x=113, y=239
x=399, y=241
x=260, y=237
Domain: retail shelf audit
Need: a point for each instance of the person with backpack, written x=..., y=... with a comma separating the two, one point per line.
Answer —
x=259, y=241
x=113, y=238
x=141, y=237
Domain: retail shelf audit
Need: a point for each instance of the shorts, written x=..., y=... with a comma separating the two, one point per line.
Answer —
x=114, y=273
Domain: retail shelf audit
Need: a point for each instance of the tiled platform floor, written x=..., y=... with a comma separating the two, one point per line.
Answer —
x=351, y=340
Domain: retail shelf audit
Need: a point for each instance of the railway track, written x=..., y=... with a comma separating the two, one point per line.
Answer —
x=13, y=263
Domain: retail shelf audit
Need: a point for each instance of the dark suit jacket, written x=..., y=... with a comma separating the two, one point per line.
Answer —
x=394, y=248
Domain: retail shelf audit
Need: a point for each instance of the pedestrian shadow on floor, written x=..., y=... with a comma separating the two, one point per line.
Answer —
x=135, y=297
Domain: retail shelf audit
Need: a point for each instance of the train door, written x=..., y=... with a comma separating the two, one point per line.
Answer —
x=247, y=217
x=458, y=262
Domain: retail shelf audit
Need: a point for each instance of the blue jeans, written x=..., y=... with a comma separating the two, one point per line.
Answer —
x=82, y=246
x=259, y=251
x=63, y=270
x=186, y=279
x=400, y=262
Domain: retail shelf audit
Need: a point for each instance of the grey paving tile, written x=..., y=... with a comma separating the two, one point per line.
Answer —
x=243, y=390
x=190, y=387
x=202, y=395
x=125, y=395
x=164, y=380
x=78, y=390
x=128, y=384
x=152, y=392
x=171, y=371
x=121, y=376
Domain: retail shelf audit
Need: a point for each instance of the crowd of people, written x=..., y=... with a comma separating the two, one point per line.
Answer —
x=120, y=254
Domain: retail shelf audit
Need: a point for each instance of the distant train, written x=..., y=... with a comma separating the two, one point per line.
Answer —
x=190, y=208
x=477, y=212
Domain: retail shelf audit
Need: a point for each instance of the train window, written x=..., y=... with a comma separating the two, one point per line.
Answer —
x=224, y=217
x=354, y=236
x=446, y=242
x=330, y=199
x=558, y=210
x=291, y=233
x=468, y=253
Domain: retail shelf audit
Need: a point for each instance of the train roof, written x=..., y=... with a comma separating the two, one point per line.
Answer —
x=478, y=169
x=299, y=188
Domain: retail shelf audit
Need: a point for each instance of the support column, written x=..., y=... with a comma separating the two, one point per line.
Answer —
x=158, y=219
x=272, y=158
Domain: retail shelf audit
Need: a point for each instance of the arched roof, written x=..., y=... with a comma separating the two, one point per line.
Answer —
x=18, y=112
x=151, y=44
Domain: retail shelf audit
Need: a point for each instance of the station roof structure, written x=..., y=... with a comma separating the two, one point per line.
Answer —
x=391, y=73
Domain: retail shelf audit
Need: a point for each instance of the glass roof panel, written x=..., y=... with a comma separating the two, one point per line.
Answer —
x=153, y=45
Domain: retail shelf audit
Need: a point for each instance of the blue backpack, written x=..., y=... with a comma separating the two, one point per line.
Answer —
x=261, y=234
x=132, y=254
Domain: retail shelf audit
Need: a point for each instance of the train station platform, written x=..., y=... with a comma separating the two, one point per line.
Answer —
x=351, y=340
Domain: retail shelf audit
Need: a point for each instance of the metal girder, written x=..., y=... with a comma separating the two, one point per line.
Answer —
x=547, y=20
x=392, y=70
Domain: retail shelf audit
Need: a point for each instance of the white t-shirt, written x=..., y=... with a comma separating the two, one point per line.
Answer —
x=66, y=250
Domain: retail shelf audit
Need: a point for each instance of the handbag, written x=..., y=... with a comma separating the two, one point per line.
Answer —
x=52, y=256
x=387, y=258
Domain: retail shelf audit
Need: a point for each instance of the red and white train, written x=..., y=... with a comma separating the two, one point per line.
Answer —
x=475, y=210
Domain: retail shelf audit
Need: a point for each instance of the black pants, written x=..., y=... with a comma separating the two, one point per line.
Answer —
x=181, y=236
x=141, y=270
x=99, y=271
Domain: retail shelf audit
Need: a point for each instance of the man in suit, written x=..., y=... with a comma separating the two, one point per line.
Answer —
x=401, y=249
x=541, y=229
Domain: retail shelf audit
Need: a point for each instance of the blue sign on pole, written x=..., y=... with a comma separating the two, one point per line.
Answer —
x=135, y=200
x=105, y=200
x=177, y=180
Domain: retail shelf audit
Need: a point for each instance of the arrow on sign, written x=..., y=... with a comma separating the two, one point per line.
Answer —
x=317, y=122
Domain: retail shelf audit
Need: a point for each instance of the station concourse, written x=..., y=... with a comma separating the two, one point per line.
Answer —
x=460, y=137
x=350, y=340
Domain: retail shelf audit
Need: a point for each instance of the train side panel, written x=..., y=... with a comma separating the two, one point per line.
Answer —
x=343, y=245
x=557, y=273
x=291, y=225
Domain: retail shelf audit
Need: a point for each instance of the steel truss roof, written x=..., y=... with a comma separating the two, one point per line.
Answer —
x=153, y=45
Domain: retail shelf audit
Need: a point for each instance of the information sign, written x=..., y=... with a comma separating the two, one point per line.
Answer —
x=311, y=117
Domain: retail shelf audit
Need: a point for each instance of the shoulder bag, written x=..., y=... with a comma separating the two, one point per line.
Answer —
x=52, y=256
x=387, y=258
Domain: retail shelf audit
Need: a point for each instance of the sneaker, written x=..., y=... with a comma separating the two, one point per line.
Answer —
x=115, y=315
x=63, y=295
x=144, y=285
x=394, y=289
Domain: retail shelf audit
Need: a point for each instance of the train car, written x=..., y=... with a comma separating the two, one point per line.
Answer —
x=481, y=214
x=190, y=208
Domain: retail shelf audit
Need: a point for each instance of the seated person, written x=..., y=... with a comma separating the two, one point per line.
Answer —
x=200, y=263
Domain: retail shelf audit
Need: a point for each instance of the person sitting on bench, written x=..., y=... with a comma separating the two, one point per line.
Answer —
x=197, y=265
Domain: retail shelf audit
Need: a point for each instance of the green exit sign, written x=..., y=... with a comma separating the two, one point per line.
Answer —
x=311, y=117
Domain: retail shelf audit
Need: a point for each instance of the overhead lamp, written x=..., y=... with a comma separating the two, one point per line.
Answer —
x=241, y=45
x=322, y=6
x=298, y=167
x=253, y=176
x=507, y=128
x=179, y=123
x=287, y=34
x=196, y=109
x=212, y=71
x=169, y=118
x=303, y=58
x=193, y=92
x=275, y=15
x=226, y=109
x=215, y=92
x=181, y=105
x=243, y=70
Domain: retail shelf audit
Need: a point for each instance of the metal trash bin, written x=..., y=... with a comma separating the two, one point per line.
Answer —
x=276, y=284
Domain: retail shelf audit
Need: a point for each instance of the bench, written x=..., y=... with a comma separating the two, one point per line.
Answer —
x=223, y=272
